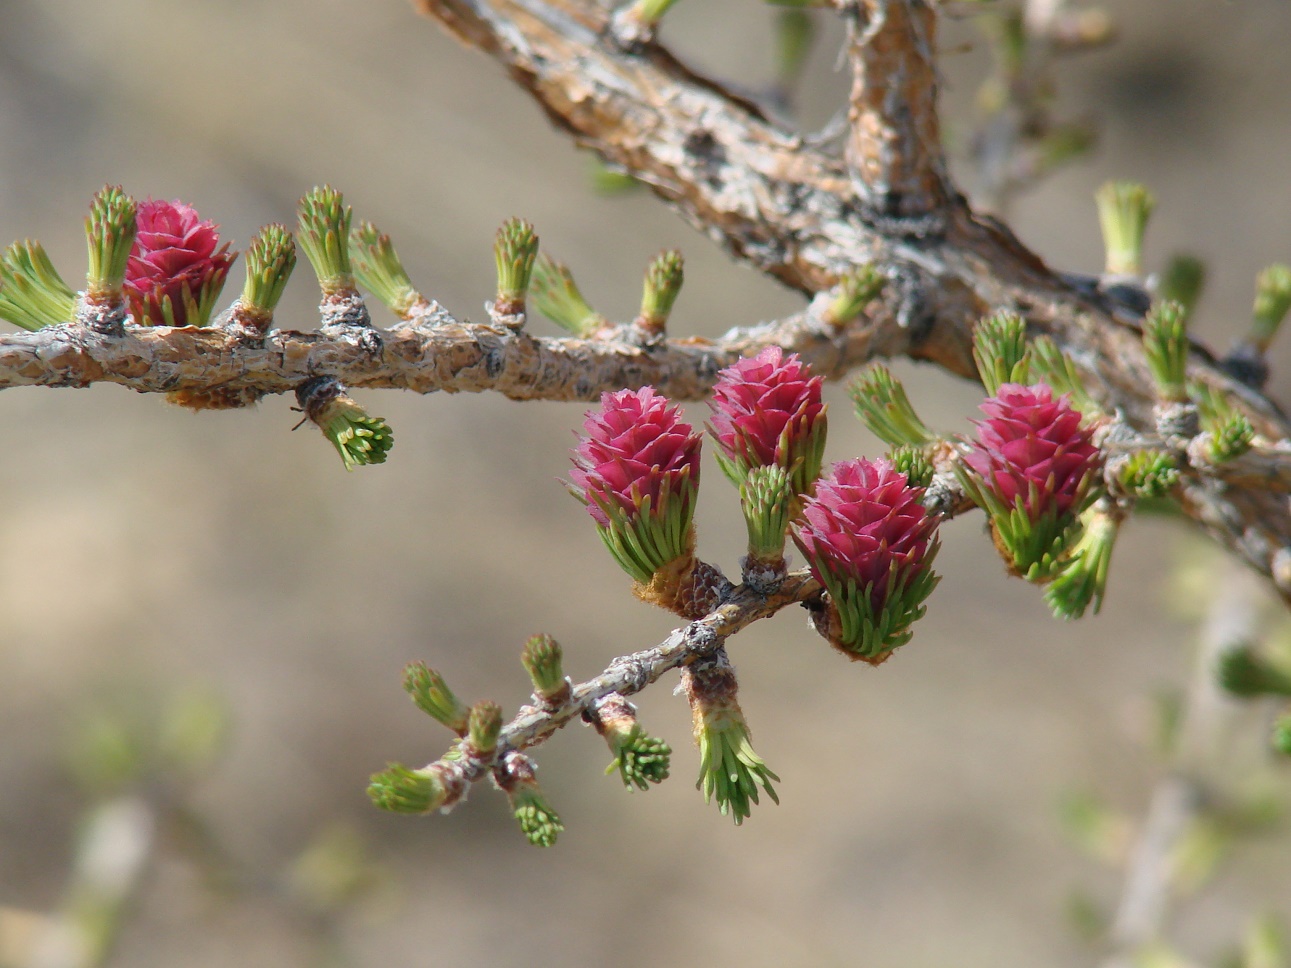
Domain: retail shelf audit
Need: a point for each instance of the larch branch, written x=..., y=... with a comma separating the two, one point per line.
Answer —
x=770, y=199
x=629, y=674
x=450, y=356
x=894, y=148
x=792, y=212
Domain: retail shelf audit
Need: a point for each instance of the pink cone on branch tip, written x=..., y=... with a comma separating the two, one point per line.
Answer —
x=870, y=542
x=177, y=266
x=637, y=470
x=767, y=410
x=1031, y=469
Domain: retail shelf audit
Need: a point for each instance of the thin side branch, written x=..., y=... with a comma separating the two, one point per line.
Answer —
x=1196, y=770
x=629, y=674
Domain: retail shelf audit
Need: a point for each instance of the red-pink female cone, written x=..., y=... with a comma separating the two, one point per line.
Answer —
x=1031, y=469
x=177, y=266
x=637, y=470
x=870, y=542
x=767, y=410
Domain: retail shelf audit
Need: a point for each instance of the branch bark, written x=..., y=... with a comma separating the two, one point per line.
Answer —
x=772, y=200
x=894, y=150
x=789, y=210
x=448, y=355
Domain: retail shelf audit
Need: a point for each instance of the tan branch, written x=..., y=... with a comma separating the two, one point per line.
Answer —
x=774, y=202
x=790, y=211
x=894, y=149
x=451, y=356
x=629, y=674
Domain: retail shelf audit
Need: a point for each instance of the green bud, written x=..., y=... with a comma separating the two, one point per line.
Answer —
x=1165, y=339
x=1082, y=578
x=32, y=293
x=795, y=31
x=1231, y=438
x=1243, y=673
x=379, y=270
x=324, y=233
x=914, y=464
x=1265, y=944
x=1123, y=212
x=1282, y=735
x=1097, y=829
x=109, y=233
x=611, y=181
x=1009, y=41
x=1158, y=954
x=1182, y=282
x=484, y=728
x=517, y=777
x=1052, y=366
x=1000, y=350
x=1150, y=474
x=433, y=697
x=270, y=259
x=542, y=659
x=514, y=251
x=648, y=13
x=335, y=870
x=1064, y=143
x=882, y=405
x=767, y=500
x=538, y=821
x=1200, y=850
x=662, y=284
x=357, y=437
x=1272, y=300
x=401, y=790
x=1231, y=432
x=730, y=771
x=856, y=290
x=194, y=730
x=640, y=759
x=107, y=754
x=556, y=296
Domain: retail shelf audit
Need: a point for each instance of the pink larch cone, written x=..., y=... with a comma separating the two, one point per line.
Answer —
x=1032, y=467
x=637, y=470
x=870, y=542
x=177, y=266
x=767, y=410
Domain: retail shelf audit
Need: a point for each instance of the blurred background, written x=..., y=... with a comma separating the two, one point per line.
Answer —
x=218, y=591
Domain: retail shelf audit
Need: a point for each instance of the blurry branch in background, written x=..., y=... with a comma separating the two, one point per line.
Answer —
x=136, y=764
x=1217, y=788
x=1192, y=786
x=1018, y=140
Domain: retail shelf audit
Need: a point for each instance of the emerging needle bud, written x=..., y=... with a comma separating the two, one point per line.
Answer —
x=357, y=437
